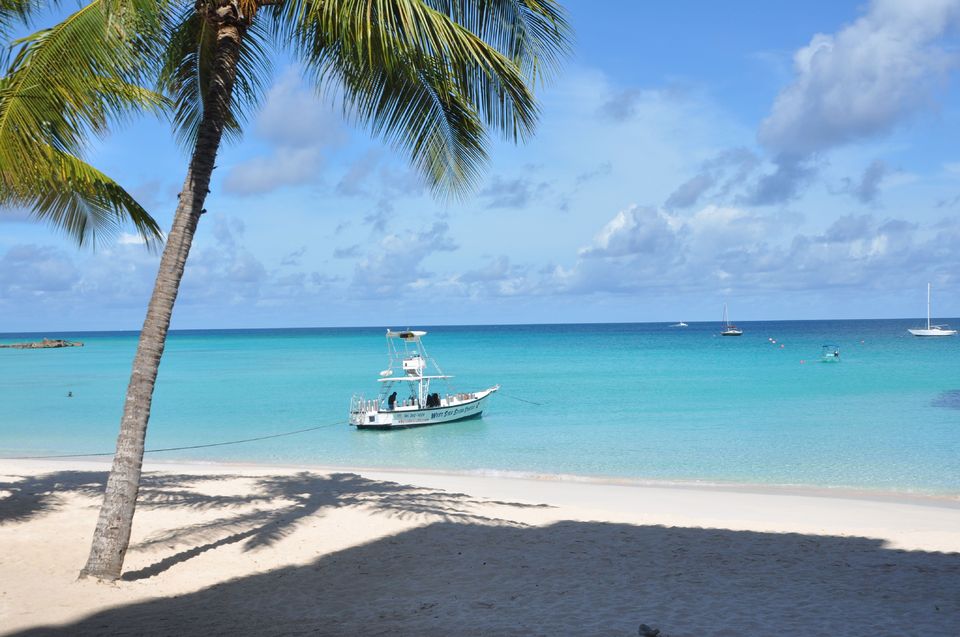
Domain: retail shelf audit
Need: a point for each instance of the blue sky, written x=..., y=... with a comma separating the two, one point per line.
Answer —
x=794, y=162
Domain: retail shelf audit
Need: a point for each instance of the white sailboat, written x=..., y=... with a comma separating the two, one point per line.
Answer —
x=729, y=329
x=931, y=330
x=408, y=373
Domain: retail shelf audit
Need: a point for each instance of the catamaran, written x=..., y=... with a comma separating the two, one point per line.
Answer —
x=405, y=399
x=931, y=330
x=729, y=329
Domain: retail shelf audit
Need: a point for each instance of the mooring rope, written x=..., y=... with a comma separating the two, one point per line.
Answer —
x=204, y=446
x=523, y=400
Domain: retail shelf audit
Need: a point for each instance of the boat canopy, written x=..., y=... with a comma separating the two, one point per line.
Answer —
x=407, y=335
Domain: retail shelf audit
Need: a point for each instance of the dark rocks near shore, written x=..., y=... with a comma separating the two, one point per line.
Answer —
x=44, y=344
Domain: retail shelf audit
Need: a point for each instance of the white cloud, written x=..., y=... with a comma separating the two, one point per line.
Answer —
x=641, y=250
x=298, y=126
x=396, y=262
x=294, y=116
x=285, y=167
x=863, y=80
x=130, y=239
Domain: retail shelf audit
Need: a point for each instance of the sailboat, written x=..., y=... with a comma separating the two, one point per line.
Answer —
x=729, y=329
x=931, y=330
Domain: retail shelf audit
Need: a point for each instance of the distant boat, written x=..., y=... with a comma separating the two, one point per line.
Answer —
x=729, y=329
x=931, y=330
x=830, y=354
x=680, y=324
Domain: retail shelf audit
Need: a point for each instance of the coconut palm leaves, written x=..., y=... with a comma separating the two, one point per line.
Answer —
x=64, y=84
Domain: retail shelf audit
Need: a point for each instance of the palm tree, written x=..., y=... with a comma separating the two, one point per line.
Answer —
x=429, y=76
x=62, y=84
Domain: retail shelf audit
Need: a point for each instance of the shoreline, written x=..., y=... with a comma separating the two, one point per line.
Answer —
x=909, y=523
x=901, y=496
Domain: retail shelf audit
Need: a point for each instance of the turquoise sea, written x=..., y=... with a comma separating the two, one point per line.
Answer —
x=642, y=401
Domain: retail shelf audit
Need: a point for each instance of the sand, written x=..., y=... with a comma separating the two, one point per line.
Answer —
x=263, y=550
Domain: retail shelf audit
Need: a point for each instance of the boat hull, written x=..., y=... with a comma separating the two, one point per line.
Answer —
x=410, y=425
x=406, y=418
x=924, y=332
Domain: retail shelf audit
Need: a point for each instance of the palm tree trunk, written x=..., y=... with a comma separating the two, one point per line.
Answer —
x=112, y=535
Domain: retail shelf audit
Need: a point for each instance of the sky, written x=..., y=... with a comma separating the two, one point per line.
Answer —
x=794, y=162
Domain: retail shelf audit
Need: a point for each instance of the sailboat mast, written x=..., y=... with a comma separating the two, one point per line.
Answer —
x=928, y=305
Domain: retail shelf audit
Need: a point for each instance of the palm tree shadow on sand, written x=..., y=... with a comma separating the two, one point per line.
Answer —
x=270, y=509
x=571, y=578
x=303, y=496
x=465, y=573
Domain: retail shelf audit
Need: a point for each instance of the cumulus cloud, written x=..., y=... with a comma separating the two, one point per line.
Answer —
x=296, y=117
x=285, y=167
x=348, y=252
x=28, y=270
x=635, y=231
x=602, y=170
x=294, y=258
x=863, y=80
x=375, y=174
x=791, y=173
x=728, y=247
x=297, y=126
x=866, y=189
x=354, y=182
x=395, y=264
x=718, y=177
x=622, y=105
x=497, y=278
x=512, y=193
x=689, y=192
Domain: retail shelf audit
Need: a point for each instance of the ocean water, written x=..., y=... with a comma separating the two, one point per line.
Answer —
x=637, y=401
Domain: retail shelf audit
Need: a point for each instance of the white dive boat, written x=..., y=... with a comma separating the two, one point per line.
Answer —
x=680, y=324
x=405, y=399
x=729, y=329
x=931, y=330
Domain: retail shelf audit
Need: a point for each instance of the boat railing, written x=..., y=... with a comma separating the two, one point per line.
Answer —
x=360, y=407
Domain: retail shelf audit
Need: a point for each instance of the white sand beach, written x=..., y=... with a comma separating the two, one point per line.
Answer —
x=223, y=549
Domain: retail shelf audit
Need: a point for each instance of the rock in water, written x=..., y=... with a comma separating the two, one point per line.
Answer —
x=646, y=631
x=45, y=343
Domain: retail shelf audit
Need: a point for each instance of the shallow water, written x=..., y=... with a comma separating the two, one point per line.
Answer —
x=640, y=401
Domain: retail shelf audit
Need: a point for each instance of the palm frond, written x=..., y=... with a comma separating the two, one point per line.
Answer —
x=395, y=34
x=63, y=84
x=78, y=199
x=72, y=79
x=533, y=33
x=14, y=12
x=185, y=74
x=434, y=54
x=416, y=111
